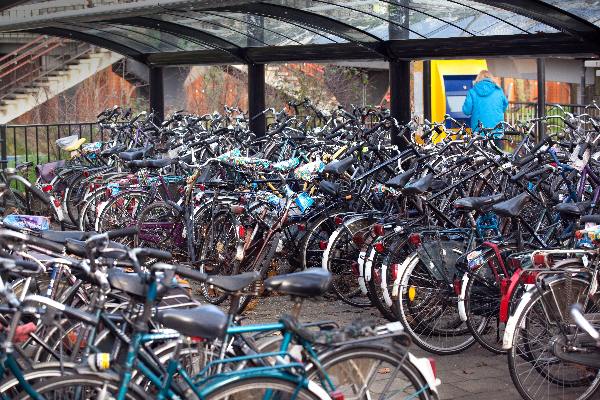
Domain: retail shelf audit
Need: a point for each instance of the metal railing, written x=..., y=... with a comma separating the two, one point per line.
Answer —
x=37, y=60
x=36, y=143
x=521, y=111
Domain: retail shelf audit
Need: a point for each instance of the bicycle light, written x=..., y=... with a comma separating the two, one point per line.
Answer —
x=323, y=245
x=241, y=231
x=414, y=239
x=338, y=220
x=47, y=188
x=378, y=230
x=541, y=260
x=336, y=395
x=379, y=247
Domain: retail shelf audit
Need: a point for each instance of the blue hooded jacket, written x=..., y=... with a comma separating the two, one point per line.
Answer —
x=485, y=102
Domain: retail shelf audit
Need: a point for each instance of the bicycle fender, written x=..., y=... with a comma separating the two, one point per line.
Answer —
x=462, y=309
x=424, y=367
x=511, y=325
x=505, y=299
x=412, y=259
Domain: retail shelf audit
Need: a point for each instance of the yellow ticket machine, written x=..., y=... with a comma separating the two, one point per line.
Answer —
x=450, y=82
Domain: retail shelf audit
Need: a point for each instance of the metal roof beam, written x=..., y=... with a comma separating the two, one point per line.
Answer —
x=490, y=46
x=550, y=15
x=307, y=18
x=183, y=31
x=92, y=39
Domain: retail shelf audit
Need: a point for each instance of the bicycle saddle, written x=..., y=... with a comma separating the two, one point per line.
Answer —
x=331, y=188
x=309, y=283
x=512, y=207
x=113, y=150
x=77, y=248
x=233, y=283
x=478, y=203
x=340, y=166
x=62, y=236
x=208, y=321
x=160, y=163
x=132, y=284
x=402, y=179
x=419, y=186
x=573, y=209
x=133, y=154
x=592, y=219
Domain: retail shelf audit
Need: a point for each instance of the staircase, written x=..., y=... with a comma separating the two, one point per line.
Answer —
x=43, y=68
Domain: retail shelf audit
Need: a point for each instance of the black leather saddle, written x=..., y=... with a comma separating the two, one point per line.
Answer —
x=309, y=283
x=132, y=285
x=399, y=181
x=160, y=163
x=340, y=166
x=77, y=248
x=133, y=154
x=113, y=150
x=330, y=188
x=62, y=236
x=233, y=283
x=419, y=186
x=208, y=321
x=573, y=209
x=512, y=207
x=591, y=219
x=478, y=203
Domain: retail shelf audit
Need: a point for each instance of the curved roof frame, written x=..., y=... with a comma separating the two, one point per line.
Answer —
x=92, y=39
x=550, y=15
x=303, y=17
x=580, y=29
x=200, y=36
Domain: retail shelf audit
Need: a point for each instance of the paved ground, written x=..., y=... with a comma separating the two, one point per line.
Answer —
x=474, y=374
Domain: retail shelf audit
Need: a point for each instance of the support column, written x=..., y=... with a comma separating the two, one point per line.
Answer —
x=157, y=93
x=399, y=96
x=541, y=86
x=427, y=90
x=256, y=98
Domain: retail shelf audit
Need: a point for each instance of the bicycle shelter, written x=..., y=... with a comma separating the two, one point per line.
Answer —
x=255, y=33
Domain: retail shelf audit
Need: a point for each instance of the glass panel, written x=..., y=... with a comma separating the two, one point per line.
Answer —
x=120, y=38
x=352, y=17
x=235, y=32
x=163, y=40
x=586, y=9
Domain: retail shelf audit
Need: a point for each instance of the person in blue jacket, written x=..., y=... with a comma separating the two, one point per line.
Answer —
x=485, y=102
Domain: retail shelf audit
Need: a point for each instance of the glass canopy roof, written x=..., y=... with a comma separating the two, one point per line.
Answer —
x=231, y=26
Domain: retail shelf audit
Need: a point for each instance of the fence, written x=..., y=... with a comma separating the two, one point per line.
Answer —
x=36, y=143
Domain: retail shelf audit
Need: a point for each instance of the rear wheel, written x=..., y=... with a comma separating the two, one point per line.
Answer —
x=261, y=388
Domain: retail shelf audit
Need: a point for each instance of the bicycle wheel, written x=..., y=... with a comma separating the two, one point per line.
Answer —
x=122, y=210
x=340, y=258
x=534, y=367
x=482, y=306
x=83, y=387
x=372, y=372
x=161, y=227
x=217, y=253
x=428, y=310
x=261, y=388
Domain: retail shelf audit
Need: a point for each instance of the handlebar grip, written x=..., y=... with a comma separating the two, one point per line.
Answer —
x=154, y=253
x=335, y=131
x=125, y=232
x=426, y=135
x=191, y=273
